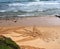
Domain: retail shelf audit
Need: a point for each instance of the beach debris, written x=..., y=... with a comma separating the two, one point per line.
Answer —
x=57, y=16
x=15, y=20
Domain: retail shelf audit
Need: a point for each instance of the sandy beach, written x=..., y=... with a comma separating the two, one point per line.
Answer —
x=33, y=32
x=31, y=21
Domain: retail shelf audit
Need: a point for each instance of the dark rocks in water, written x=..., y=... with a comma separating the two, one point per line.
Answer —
x=7, y=43
x=57, y=16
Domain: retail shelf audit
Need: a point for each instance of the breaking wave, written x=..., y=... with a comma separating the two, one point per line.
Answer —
x=30, y=7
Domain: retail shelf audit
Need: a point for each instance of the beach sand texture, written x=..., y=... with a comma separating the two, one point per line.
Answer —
x=33, y=36
x=31, y=21
x=30, y=37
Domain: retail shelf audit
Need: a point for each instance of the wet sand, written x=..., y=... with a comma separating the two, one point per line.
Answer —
x=32, y=21
x=33, y=32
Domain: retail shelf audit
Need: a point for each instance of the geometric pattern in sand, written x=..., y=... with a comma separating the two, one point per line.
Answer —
x=31, y=33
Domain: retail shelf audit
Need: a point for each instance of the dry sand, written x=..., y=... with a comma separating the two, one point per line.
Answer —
x=33, y=33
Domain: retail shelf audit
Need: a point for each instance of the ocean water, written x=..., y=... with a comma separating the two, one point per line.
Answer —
x=29, y=7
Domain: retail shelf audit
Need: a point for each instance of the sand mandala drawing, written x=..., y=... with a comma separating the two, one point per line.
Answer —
x=35, y=33
x=32, y=34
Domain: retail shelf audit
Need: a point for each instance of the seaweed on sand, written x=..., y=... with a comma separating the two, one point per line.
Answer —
x=7, y=43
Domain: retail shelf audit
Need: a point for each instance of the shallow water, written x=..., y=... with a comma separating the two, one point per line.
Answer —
x=29, y=7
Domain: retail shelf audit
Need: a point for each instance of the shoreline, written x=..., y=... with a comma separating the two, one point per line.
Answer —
x=33, y=32
x=30, y=21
